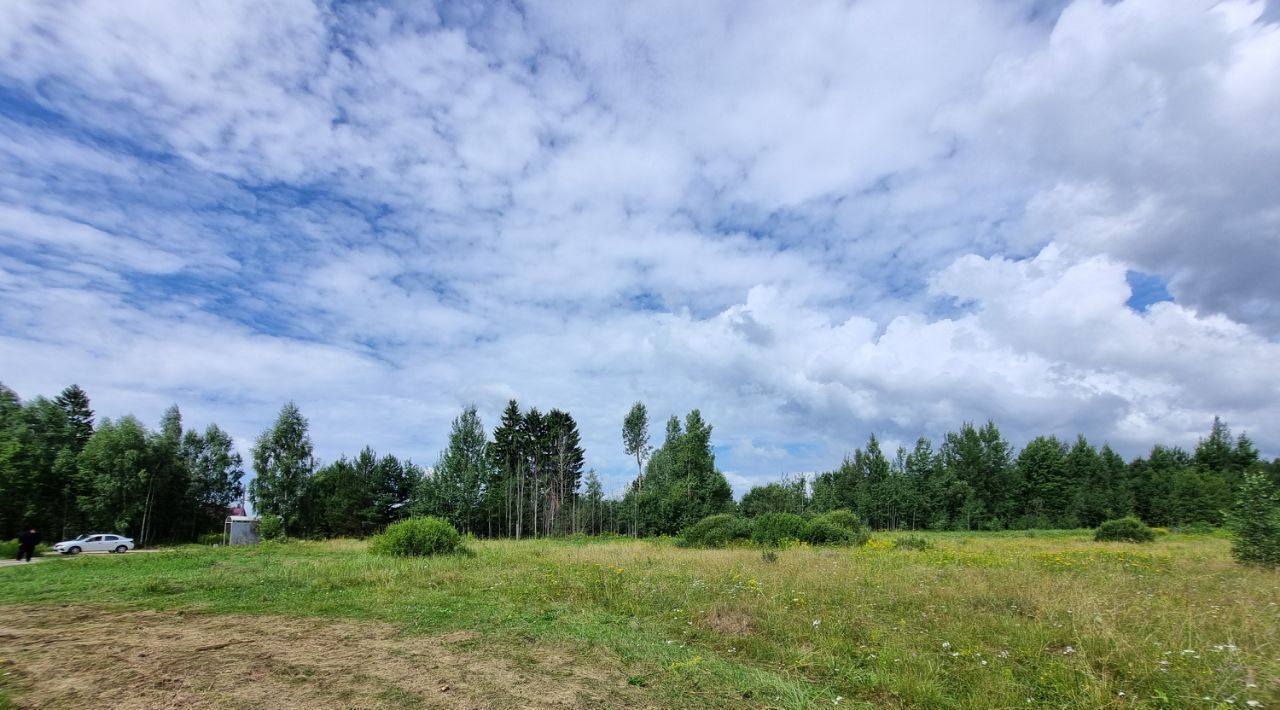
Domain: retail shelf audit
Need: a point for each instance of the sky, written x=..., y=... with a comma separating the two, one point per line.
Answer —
x=813, y=221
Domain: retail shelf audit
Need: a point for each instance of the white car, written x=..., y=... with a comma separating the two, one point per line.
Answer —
x=96, y=542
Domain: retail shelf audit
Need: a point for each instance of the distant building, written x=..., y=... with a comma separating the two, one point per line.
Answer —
x=240, y=530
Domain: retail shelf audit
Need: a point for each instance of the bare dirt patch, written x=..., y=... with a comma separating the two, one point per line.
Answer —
x=730, y=621
x=78, y=657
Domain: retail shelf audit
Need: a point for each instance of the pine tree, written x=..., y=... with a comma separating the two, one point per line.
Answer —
x=506, y=452
x=74, y=403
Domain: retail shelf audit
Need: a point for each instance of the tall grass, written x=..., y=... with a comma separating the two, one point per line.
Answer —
x=976, y=620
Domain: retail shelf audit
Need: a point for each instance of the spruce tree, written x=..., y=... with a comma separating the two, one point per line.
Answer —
x=1255, y=521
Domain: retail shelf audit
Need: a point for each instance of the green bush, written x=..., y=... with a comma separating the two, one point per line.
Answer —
x=417, y=537
x=912, y=542
x=843, y=517
x=716, y=531
x=1255, y=522
x=837, y=527
x=777, y=529
x=271, y=527
x=213, y=538
x=1128, y=529
x=822, y=532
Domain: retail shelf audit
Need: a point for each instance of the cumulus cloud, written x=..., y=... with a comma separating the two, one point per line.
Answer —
x=811, y=222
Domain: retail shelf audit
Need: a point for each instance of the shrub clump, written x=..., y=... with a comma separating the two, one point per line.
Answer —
x=716, y=531
x=912, y=542
x=777, y=529
x=837, y=527
x=1128, y=529
x=1255, y=522
x=271, y=527
x=417, y=537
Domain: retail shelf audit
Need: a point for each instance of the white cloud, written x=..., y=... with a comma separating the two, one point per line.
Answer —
x=811, y=221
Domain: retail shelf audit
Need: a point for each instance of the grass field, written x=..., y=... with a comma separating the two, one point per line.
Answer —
x=980, y=620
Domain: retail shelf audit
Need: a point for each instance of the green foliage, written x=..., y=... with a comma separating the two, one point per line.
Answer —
x=787, y=496
x=1128, y=529
x=681, y=484
x=283, y=461
x=215, y=538
x=635, y=434
x=912, y=542
x=842, y=517
x=417, y=537
x=821, y=532
x=271, y=527
x=836, y=527
x=1195, y=529
x=718, y=530
x=1255, y=521
x=62, y=475
x=355, y=497
x=777, y=529
x=117, y=471
x=8, y=549
x=533, y=478
x=213, y=471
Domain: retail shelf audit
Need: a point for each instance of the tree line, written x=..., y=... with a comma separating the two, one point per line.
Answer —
x=976, y=481
x=65, y=473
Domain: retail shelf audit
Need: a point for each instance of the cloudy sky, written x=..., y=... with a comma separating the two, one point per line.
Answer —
x=811, y=220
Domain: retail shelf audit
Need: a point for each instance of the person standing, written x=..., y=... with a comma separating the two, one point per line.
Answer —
x=27, y=541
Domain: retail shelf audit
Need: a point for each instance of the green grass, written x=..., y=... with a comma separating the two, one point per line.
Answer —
x=979, y=620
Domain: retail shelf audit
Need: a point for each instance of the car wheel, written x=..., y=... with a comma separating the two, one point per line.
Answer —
x=73, y=551
x=122, y=549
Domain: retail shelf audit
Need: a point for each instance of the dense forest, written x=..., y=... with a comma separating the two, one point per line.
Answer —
x=66, y=473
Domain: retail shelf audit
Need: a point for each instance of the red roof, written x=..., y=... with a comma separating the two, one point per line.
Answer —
x=236, y=510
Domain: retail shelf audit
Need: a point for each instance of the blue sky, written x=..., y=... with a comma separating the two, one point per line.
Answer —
x=812, y=221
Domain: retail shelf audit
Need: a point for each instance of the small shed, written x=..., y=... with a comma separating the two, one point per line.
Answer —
x=240, y=530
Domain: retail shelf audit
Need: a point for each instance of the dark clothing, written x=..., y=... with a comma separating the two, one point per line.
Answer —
x=27, y=541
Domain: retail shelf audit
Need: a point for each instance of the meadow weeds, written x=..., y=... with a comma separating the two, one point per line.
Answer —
x=974, y=620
